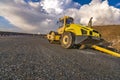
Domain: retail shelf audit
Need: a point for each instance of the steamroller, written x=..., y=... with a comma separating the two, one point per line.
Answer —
x=71, y=35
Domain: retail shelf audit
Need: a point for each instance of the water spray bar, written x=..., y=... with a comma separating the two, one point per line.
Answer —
x=106, y=51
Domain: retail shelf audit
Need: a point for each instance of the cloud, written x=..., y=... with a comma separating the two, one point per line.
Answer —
x=42, y=16
x=118, y=4
x=28, y=17
x=102, y=13
x=34, y=16
x=58, y=6
x=5, y=25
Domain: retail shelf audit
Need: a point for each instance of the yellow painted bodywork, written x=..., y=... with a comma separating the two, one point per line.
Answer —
x=57, y=37
x=76, y=29
x=106, y=51
x=53, y=37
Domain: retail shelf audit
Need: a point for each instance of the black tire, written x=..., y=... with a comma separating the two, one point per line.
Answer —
x=67, y=40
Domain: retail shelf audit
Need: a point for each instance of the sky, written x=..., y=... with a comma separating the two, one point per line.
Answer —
x=33, y=16
x=111, y=2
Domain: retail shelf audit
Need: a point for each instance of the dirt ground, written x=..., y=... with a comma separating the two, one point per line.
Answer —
x=33, y=58
x=110, y=33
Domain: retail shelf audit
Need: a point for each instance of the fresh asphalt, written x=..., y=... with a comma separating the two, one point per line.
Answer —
x=33, y=58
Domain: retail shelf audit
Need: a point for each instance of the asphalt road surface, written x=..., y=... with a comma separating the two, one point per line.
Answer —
x=33, y=58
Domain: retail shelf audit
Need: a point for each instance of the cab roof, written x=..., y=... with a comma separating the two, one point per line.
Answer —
x=65, y=17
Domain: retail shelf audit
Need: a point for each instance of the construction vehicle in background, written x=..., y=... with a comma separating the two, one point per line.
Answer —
x=70, y=35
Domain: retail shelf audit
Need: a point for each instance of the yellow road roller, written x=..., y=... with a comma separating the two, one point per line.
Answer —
x=70, y=35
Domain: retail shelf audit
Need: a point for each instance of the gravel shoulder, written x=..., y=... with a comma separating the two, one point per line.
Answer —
x=33, y=58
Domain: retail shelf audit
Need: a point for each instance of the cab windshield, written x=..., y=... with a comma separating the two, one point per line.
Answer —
x=60, y=23
x=69, y=21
